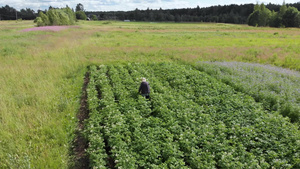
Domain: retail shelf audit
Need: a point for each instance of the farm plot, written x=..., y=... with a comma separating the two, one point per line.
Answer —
x=191, y=121
x=276, y=88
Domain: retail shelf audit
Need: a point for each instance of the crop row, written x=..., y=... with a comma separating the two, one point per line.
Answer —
x=276, y=88
x=191, y=121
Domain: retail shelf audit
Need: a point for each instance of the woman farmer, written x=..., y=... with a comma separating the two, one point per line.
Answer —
x=145, y=89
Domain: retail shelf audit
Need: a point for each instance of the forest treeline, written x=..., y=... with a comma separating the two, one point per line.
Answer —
x=237, y=14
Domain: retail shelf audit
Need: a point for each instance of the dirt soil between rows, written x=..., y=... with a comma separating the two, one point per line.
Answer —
x=80, y=143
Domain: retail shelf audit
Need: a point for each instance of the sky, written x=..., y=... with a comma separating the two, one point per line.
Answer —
x=128, y=5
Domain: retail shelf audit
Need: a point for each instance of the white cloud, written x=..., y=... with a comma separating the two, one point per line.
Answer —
x=125, y=5
x=113, y=5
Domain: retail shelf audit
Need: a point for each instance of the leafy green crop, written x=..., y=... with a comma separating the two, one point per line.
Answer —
x=276, y=88
x=191, y=121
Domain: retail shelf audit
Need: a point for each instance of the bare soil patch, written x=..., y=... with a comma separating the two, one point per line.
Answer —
x=80, y=143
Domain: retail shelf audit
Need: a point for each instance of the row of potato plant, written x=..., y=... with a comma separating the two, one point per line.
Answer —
x=158, y=126
x=239, y=112
x=276, y=88
x=151, y=151
x=93, y=127
x=191, y=121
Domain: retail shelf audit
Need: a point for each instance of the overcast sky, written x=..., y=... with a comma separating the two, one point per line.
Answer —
x=127, y=5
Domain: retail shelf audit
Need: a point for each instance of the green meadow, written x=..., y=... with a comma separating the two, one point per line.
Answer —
x=42, y=72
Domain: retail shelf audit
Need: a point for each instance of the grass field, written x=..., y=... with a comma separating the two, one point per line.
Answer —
x=42, y=72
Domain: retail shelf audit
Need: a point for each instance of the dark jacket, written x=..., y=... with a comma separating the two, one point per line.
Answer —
x=144, y=88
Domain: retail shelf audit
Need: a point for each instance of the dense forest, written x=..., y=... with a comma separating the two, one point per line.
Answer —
x=10, y=13
x=237, y=14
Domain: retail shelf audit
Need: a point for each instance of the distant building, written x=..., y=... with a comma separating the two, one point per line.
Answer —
x=126, y=20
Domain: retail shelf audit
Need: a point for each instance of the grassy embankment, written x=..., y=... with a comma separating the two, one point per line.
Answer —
x=42, y=72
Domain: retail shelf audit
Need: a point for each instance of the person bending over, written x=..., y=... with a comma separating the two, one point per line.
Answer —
x=145, y=88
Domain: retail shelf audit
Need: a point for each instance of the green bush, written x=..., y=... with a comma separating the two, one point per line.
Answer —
x=286, y=17
x=94, y=18
x=81, y=15
x=63, y=16
x=71, y=15
x=39, y=21
x=42, y=20
x=290, y=16
x=260, y=16
x=53, y=17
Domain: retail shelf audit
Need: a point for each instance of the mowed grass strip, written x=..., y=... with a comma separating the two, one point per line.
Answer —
x=42, y=72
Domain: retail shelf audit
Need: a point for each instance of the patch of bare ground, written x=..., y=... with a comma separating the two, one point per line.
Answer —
x=80, y=143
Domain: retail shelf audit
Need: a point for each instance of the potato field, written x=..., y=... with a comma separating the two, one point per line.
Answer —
x=192, y=120
x=224, y=96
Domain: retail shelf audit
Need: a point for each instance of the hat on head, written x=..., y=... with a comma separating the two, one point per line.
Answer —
x=143, y=79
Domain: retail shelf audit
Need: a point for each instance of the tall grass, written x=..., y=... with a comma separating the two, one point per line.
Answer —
x=42, y=73
x=202, y=41
x=40, y=84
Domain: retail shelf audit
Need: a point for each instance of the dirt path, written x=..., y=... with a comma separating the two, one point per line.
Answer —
x=80, y=143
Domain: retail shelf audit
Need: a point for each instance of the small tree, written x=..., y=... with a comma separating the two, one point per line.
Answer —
x=283, y=9
x=64, y=16
x=79, y=7
x=297, y=20
x=53, y=17
x=42, y=20
x=264, y=15
x=260, y=16
x=253, y=18
x=39, y=21
x=94, y=18
x=81, y=15
x=290, y=16
x=275, y=20
x=70, y=14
